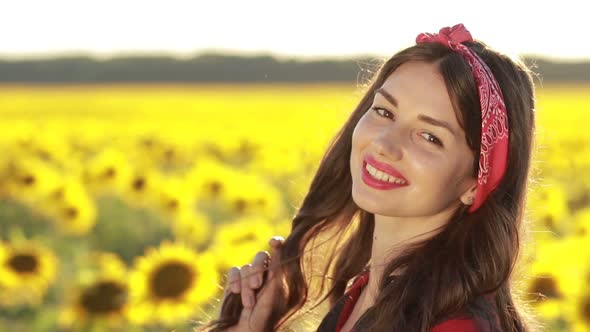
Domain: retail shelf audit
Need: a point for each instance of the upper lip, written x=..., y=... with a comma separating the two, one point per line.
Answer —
x=385, y=168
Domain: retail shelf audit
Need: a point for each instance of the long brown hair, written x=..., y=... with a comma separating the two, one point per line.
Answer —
x=473, y=255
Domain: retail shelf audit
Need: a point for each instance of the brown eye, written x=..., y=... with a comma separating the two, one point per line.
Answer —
x=387, y=114
x=382, y=112
x=434, y=140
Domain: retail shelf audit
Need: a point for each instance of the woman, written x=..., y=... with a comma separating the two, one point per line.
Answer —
x=425, y=185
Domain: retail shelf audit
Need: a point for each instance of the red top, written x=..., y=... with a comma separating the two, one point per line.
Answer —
x=451, y=325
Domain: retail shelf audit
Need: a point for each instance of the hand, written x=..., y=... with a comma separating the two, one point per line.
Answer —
x=258, y=284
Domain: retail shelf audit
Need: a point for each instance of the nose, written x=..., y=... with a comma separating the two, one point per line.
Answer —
x=389, y=143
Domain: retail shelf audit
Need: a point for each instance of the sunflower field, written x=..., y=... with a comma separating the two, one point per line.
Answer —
x=123, y=206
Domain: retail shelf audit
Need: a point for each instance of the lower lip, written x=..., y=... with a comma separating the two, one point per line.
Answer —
x=378, y=184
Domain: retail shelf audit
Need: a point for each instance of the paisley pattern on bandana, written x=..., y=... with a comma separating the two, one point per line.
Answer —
x=493, y=159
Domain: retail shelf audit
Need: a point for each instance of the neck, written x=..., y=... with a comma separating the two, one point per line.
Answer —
x=390, y=236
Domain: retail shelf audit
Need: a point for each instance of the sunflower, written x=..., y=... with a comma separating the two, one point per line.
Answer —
x=162, y=151
x=48, y=147
x=544, y=292
x=210, y=179
x=102, y=302
x=107, y=172
x=192, y=227
x=557, y=275
x=173, y=198
x=141, y=187
x=169, y=283
x=27, y=270
x=549, y=207
x=578, y=313
x=230, y=146
x=4, y=179
x=173, y=153
x=235, y=243
x=582, y=222
x=30, y=180
x=250, y=194
x=71, y=207
x=102, y=296
x=147, y=143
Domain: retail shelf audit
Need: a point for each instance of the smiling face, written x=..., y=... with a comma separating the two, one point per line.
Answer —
x=411, y=128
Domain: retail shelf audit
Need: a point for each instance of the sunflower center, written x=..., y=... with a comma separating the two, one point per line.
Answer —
x=71, y=212
x=215, y=187
x=171, y=280
x=545, y=287
x=24, y=263
x=169, y=154
x=173, y=204
x=585, y=309
x=139, y=184
x=549, y=221
x=109, y=173
x=248, y=237
x=29, y=180
x=104, y=297
x=148, y=142
x=44, y=154
x=58, y=194
x=241, y=205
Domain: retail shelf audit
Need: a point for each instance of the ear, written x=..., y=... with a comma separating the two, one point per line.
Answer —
x=469, y=195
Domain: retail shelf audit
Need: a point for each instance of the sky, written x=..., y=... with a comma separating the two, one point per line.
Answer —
x=303, y=28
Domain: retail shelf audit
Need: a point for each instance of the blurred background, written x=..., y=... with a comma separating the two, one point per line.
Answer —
x=149, y=146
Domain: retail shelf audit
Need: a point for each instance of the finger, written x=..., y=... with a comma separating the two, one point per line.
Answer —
x=275, y=256
x=245, y=315
x=233, y=280
x=259, y=265
x=276, y=241
x=248, y=299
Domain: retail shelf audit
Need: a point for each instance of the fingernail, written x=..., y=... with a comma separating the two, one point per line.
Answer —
x=277, y=239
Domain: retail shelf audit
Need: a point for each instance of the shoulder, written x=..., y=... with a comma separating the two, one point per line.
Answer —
x=457, y=325
x=467, y=324
x=472, y=319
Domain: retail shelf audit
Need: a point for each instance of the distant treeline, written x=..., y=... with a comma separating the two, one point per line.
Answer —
x=225, y=68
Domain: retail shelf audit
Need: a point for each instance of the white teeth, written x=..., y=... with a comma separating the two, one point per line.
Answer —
x=377, y=174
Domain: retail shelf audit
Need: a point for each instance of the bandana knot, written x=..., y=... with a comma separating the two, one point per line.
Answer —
x=447, y=36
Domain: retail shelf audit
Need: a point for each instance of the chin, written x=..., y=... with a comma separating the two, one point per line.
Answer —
x=367, y=204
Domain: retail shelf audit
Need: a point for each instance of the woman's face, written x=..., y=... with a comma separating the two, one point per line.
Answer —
x=396, y=136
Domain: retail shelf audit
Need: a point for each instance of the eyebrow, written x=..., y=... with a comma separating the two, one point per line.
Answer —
x=424, y=118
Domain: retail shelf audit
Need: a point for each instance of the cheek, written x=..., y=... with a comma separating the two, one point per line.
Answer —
x=361, y=134
x=361, y=138
x=434, y=170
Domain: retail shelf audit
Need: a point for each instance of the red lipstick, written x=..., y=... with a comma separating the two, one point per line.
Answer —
x=385, y=168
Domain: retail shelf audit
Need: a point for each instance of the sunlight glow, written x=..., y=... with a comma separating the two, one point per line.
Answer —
x=303, y=28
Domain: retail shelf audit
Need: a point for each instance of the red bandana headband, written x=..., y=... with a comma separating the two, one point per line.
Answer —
x=494, y=118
